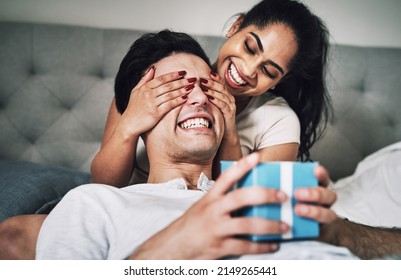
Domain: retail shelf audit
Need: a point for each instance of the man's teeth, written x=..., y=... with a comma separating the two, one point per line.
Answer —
x=234, y=75
x=193, y=123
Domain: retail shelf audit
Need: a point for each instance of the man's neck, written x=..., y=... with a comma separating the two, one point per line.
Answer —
x=161, y=172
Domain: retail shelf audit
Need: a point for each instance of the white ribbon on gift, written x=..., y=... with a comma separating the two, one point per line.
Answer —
x=286, y=186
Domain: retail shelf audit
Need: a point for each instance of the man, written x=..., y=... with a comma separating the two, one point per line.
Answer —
x=170, y=216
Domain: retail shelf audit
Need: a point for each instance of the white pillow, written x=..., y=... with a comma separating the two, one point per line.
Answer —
x=372, y=195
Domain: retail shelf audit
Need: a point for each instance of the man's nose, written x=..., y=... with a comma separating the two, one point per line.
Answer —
x=197, y=97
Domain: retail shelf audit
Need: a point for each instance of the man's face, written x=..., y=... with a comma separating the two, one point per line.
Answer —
x=191, y=132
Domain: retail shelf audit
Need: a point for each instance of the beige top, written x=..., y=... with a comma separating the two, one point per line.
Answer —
x=267, y=121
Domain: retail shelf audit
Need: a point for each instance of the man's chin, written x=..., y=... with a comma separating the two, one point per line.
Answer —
x=196, y=154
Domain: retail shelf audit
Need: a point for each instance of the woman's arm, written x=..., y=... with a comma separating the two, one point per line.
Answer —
x=231, y=150
x=282, y=152
x=114, y=163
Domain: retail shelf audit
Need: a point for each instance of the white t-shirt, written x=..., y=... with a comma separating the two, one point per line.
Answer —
x=97, y=221
x=102, y=222
x=266, y=121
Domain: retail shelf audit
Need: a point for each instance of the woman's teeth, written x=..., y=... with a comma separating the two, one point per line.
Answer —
x=234, y=75
x=194, y=123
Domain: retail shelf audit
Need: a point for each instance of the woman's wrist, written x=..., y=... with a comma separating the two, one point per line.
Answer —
x=126, y=132
x=231, y=139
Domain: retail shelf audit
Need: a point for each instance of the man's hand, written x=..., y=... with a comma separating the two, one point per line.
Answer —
x=208, y=230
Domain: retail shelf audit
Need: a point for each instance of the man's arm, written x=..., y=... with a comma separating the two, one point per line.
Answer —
x=75, y=228
x=207, y=230
x=364, y=241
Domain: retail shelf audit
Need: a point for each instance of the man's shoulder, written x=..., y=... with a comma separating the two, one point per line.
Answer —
x=93, y=192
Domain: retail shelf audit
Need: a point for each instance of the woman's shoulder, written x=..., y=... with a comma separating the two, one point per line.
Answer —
x=267, y=111
x=269, y=103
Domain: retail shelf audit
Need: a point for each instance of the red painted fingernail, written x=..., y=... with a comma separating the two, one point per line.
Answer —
x=184, y=96
x=203, y=81
x=203, y=88
x=213, y=74
x=189, y=87
x=191, y=80
x=182, y=73
x=210, y=97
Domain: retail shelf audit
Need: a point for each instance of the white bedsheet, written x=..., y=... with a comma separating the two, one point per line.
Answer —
x=372, y=195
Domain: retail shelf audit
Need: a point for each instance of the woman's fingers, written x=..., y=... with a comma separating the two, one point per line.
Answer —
x=182, y=84
x=148, y=76
x=170, y=104
x=215, y=89
x=168, y=79
x=150, y=86
x=218, y=95
x=163, y=89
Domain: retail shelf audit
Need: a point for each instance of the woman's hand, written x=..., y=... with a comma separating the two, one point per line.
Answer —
x=153, y=97
x=149, y=101
x=215, y=89
x=208, y=230
x=230, y=148
x=321, y=197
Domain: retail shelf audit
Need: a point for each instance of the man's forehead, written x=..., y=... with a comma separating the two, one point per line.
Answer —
x=194, y=65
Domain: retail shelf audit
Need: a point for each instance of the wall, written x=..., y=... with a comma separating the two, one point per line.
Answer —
x=355, y=22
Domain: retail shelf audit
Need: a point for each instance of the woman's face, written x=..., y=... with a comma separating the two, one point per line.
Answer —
x=253, y=60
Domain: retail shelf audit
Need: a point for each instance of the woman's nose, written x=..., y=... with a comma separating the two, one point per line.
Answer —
x=249, y=68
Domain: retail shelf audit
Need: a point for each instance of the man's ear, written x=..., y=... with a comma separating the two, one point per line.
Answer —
x=235, y=27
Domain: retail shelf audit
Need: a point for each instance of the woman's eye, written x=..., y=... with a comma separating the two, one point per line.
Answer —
x=267, y=73
x=248, y=48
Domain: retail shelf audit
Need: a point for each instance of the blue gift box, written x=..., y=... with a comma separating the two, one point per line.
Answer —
x=287, y=176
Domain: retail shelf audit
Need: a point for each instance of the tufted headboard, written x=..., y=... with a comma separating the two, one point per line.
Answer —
x=365, y=88
x=56, y=85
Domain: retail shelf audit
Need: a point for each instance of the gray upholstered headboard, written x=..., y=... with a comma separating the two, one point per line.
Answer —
x=56, y=84
x=365, y=87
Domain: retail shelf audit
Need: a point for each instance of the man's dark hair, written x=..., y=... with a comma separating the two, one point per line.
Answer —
x=145, y=51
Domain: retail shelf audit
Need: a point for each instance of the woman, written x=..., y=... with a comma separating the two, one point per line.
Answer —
x=274, y=58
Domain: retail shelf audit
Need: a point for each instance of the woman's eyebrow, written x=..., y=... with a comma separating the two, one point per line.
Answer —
x=257, y=41
x=260, y=46
x=275, y=65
